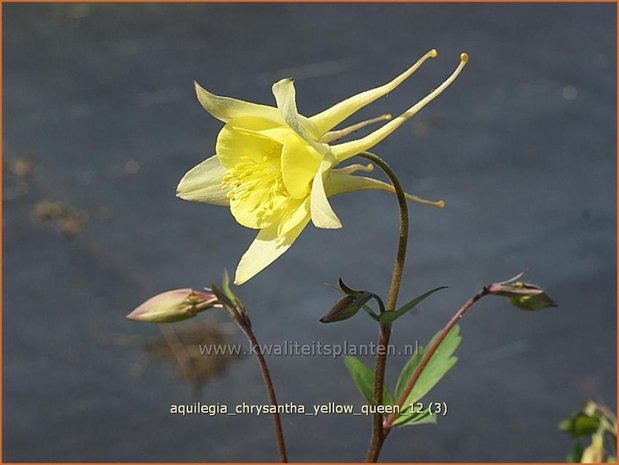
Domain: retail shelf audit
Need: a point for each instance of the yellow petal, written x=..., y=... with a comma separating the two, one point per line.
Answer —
x=202, y=183
x=262, y=126
x=226, y=108
x=323, y=215
x=293, y=219
x=246, y=138
x=285, y=96
x=265, y=249
x=338, y=183
x=333, y=116
x=299, y=165
x=248, y=213
x=352, y=148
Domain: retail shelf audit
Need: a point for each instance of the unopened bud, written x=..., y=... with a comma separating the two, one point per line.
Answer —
x=172, y=306
x=524, y=296
x=347, y=307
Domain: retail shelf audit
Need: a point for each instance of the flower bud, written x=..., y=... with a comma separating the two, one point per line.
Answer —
x=521, y=295
x=347, y=307
x=171, y=306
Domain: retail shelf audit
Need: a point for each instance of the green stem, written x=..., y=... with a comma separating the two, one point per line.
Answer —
x=429, y=353
x=245, y=326
x=378, y=433
x=239, y=315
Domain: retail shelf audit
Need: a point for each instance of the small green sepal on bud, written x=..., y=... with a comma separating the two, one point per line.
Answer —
x=524, y=296
x=171, y=306
x=347, y=290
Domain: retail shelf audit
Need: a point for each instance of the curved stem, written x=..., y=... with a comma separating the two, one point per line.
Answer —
x=378, y=433
x=396, y=277
x=277, y=423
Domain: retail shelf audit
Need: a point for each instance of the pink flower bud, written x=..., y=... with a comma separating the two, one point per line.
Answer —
x=171, y=306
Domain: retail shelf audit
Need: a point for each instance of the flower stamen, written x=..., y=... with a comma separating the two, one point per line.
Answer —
x=256, y=187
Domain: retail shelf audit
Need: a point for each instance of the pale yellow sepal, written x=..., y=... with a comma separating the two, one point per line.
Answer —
x=202, y=183
x=285, y=96
x=227, y=108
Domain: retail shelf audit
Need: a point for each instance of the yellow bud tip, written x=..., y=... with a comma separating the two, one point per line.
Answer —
x=464, y=57
x=387, y=116
x=433, y=53
x=440, y=204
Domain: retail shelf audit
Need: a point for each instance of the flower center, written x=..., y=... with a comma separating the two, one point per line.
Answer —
x=256, y=188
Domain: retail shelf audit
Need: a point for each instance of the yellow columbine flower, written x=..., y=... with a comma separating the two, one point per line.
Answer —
x=275, y=167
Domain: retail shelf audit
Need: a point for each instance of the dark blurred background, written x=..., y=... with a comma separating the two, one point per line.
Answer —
x=101, y=122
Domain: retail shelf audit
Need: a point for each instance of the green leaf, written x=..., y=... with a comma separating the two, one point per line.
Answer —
x=580, y=425
x=388, y=397
x=407, y=372
x=225, y=294
x=363, y=376
x=225, y=285
x=440, y=363
x=389, y=317
x=421, y=418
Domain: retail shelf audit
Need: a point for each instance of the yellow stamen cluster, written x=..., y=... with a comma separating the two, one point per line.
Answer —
x=258, y=185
